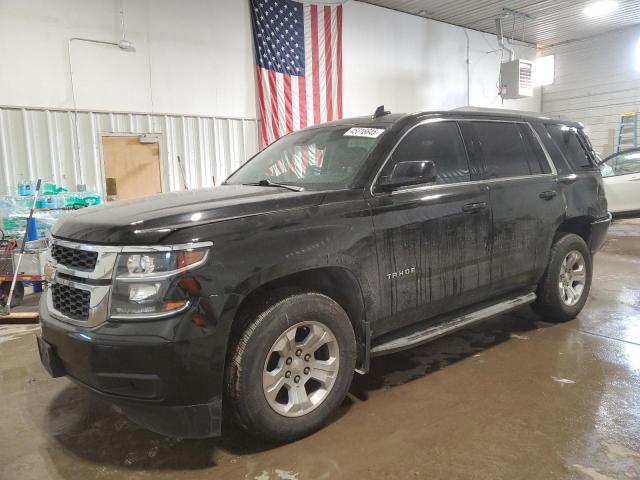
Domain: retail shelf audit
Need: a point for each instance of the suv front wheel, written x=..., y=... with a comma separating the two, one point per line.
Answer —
x=291, y=367
x=564, y=288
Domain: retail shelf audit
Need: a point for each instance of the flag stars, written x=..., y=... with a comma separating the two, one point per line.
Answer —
x=279, y=36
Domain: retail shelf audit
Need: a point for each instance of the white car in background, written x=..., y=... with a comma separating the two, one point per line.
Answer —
x=621, y=176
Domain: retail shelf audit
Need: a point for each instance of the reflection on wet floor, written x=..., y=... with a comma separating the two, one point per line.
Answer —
x=514, y=397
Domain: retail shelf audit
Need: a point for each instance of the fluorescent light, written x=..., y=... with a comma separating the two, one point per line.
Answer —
x=603, y=7
x=638, y=55
x=544, y=70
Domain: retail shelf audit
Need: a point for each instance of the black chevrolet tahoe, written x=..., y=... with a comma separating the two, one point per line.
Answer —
x=260, y=298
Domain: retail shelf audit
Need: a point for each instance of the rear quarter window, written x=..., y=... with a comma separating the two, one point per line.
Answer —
x=572, y=147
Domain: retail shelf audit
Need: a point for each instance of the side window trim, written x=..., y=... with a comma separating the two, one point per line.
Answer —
x=586, y=145
x=552, y=166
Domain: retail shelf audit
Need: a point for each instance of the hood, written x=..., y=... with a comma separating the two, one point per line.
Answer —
x=143, y=221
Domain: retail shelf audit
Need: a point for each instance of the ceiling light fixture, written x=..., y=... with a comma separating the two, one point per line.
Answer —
x=601, y=8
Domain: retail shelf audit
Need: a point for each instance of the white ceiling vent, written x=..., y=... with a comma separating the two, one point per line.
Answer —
x=516, y=78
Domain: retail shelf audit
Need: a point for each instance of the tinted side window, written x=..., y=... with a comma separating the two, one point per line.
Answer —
x=537, y=159
x=503, y=149
x=568, y=142
x=439, y=142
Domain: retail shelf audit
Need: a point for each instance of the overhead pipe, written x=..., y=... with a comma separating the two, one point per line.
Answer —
x=501, y=44
x=124, y=45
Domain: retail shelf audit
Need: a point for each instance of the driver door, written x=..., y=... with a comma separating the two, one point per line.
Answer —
x=432, y=239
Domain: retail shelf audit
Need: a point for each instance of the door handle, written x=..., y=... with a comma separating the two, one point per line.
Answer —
x=474, y=207
x=568, y=179
x=548, y=195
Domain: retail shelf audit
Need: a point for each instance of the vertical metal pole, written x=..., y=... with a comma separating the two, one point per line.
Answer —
x=7, y=308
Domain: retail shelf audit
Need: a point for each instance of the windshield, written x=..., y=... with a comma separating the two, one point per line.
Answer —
x=624, y=163
x=321, y=158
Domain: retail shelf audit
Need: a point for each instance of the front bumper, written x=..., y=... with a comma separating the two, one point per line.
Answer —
x=599, y=228
x=172, y=387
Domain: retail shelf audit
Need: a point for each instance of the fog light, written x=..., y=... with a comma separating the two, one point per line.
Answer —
x=141, y=293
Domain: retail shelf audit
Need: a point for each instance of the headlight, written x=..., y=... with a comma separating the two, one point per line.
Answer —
x=147, y=284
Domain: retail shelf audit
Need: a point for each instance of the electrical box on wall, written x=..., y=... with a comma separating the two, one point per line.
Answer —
x=516, y=79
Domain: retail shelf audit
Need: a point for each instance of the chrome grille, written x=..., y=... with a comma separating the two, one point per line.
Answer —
x=71, y=302
x=74, y=258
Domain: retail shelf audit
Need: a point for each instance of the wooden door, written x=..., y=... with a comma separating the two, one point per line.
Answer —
x=131, y=168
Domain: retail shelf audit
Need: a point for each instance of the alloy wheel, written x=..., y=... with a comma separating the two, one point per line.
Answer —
x=300, y=369
x=573, y=278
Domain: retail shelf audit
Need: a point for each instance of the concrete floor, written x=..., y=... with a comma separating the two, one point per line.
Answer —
x=512, y=398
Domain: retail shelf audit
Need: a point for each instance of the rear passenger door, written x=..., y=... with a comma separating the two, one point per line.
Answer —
x=524, y=200
x=576, y=163
x=432, y=239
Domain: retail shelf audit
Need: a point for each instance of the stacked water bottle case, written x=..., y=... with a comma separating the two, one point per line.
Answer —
x=53, y=203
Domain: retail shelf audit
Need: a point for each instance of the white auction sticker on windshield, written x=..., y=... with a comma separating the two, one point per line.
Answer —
x=364, y=132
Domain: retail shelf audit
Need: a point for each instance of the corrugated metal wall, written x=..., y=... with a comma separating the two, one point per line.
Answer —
x=37, y=143
x=595, y=81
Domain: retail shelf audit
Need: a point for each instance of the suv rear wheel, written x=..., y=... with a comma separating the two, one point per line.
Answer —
x=291, y=367
x=564, y=288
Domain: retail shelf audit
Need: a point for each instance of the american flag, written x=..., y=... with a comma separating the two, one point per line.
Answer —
x=298, y=50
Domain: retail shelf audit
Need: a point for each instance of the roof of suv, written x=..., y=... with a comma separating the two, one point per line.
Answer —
x=490, y=113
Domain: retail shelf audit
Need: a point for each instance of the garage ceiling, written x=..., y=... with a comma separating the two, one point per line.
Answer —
x=550, y=21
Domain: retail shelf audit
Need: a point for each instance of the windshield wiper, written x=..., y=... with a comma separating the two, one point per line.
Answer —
x=268, y=183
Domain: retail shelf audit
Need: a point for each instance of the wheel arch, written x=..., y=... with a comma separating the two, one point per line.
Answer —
x=337, y=283
x=580, y=226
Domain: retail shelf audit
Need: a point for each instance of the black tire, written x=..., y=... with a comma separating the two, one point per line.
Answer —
x=249, y=353
x=550, y=303
x=18, y=294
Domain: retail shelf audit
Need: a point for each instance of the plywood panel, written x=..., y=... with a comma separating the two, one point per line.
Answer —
x=133, y=166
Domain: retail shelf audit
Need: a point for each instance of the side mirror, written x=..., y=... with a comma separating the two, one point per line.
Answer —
x=409, y=173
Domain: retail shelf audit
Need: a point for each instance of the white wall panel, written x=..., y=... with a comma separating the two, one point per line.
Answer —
x=595, y=81
x=193, y=57
x=42, y=144
x=409, y=63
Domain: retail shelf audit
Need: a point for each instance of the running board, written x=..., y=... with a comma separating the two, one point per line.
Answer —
x=433, y=332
